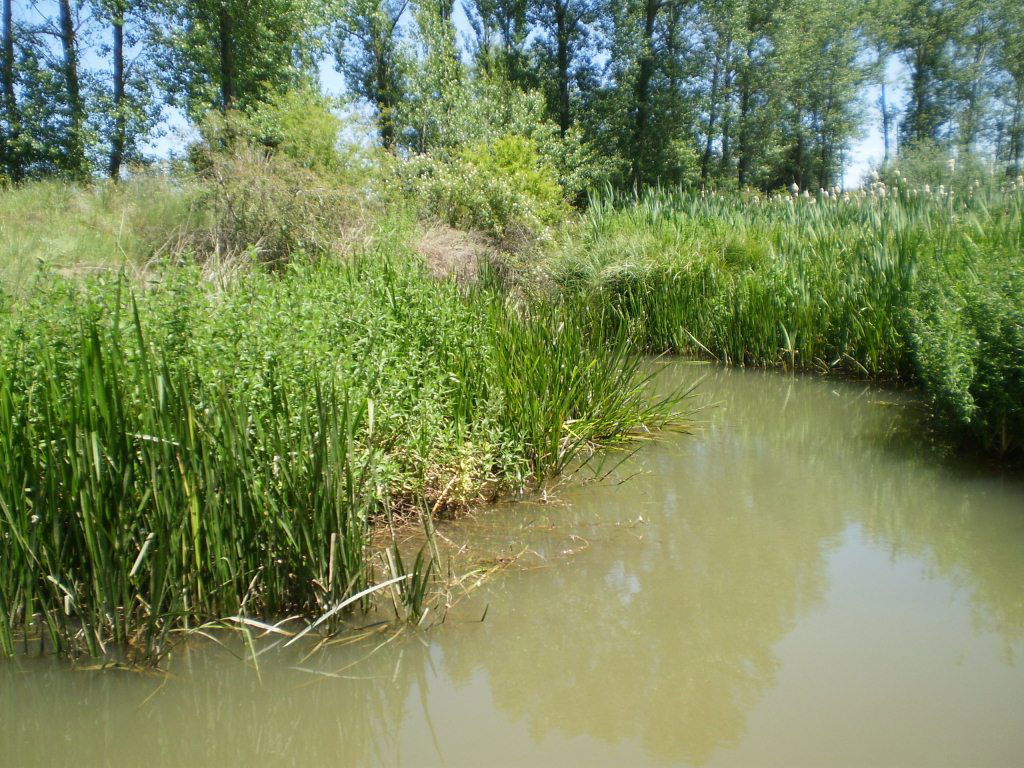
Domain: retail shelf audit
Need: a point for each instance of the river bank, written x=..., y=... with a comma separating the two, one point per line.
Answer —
x=799, y=582
x=186, y=451
x=203, y=430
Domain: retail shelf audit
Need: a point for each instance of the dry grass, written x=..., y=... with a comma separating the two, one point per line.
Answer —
x=449, y=252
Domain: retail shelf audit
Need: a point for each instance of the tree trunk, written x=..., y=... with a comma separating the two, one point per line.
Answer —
x=743, y=166
x=11, y=155
x=712, y=117
x=227, y=58
x=885, y=125
x=642, y=92
x=730, y=77
x=385, y=92
x=76, y=163
x=1017, y=131
x=562, y=33
x=117, y=140
x=921, y=121
x=883, y=106
x=973, y=106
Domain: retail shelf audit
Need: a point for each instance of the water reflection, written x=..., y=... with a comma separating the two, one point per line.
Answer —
x=769, y=543
x=671, y=641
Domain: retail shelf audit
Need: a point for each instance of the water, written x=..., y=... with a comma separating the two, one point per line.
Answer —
x=800, y=583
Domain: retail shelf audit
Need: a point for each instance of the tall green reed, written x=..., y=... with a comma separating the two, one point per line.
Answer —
x=890, y=287
x=189, y=452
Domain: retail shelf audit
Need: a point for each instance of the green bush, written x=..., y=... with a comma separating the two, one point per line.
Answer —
x=504, y=188
x=266, y=205
x=929, y=165
x=968, y=340
x=297, y=124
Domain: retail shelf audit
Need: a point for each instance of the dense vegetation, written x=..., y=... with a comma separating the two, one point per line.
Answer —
x=223, y=371
x=189, y=451
x=731, y=93
x=905, y=285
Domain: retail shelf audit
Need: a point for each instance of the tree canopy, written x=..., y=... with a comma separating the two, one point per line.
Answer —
x=741, y=93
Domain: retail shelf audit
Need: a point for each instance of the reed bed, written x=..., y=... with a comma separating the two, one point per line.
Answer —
x=187, y=451
x=897, y=284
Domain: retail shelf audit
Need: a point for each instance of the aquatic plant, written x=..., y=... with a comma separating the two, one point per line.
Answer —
x=191, y=451
x=904, y=285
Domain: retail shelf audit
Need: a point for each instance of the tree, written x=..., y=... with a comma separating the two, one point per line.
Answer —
x=563, y=44
x=366, y=48
x=653, y=130
x=1009, y=60
x=818, y=83
x=881, y=33
x=10, y=133
x=721, y=23
x=76, y=163
x=130, y=110
x=500, y=29
x=439, y=101
x=757, y=85
x=118, y=11
x=235, y=54
x=924, y=42
x=973, y=47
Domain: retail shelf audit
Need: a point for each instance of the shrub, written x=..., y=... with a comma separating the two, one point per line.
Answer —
x=267, y=205
x=928, y=163
x=504, y=188
x=968, y=341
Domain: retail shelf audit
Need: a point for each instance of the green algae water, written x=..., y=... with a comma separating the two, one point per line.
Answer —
x=801, y=582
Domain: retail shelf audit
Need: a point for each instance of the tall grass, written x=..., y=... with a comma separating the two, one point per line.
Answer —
x=908, y=286
x=189, y=451
x=76, y=230
x=240, y=206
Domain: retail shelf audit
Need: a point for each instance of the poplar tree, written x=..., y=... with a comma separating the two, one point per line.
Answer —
x=10, y=129
x=235, y=54
x=367, y=52
x=565, y=49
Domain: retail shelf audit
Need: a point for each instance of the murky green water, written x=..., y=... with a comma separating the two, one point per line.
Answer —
x=796, y=585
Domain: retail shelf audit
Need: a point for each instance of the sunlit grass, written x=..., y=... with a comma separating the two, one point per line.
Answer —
x=188, y=451
x=909, y=286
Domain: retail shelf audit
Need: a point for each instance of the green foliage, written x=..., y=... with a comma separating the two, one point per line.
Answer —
x=368, y=53
x=299, y=125
x=498, y=165
x=193, y=450
x=928, y=163
x=235, y=54
x=268, y=206
x=502, y=187
x=517, y=158
x=968, y=339
x=912, y=287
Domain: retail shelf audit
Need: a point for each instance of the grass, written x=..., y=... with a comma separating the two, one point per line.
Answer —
x=241, y=206
x=78, y=230
x=188, y=450
x=218, y=429
x=909, y=286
